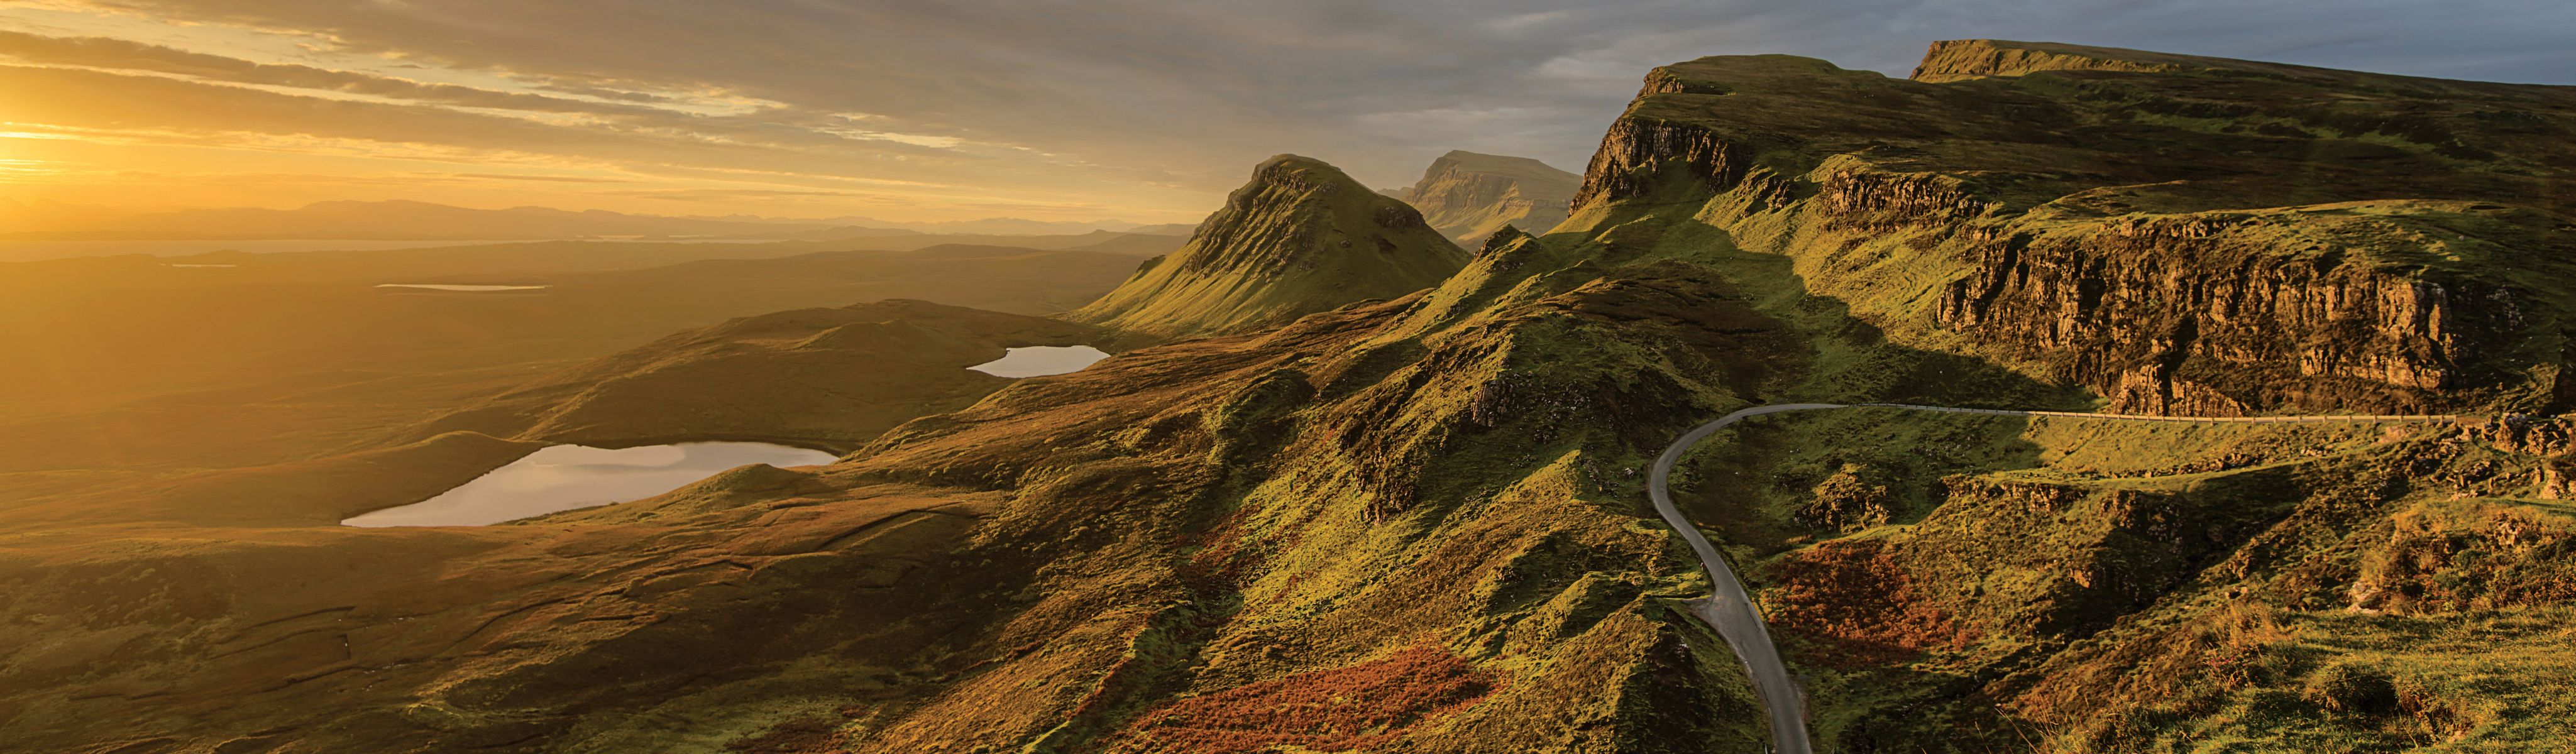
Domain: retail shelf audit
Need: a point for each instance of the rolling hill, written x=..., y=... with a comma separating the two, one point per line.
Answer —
x=1300, y=238
x=829, y=377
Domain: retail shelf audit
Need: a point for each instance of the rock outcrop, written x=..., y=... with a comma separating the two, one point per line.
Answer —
x=1468, y=196
x=2177, y=234
x=1300, y=238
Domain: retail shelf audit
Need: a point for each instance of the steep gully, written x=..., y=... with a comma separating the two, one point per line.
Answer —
x=1730, y=610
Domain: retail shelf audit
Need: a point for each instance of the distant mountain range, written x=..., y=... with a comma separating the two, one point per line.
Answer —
x=408, y=220
x=1012, y=226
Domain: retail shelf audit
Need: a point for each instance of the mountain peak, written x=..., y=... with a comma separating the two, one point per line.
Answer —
x=1299, y=173
x=1298, y=238
x=1518, y=167
x=1467, y=196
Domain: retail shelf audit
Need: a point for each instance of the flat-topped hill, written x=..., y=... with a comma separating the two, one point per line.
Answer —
x=1467, y=196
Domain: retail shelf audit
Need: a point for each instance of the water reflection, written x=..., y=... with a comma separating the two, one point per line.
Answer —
x=564, y=477
x=1033, y=361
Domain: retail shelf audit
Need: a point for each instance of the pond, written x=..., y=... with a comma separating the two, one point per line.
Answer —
x=565, y=477
x=1035, y=361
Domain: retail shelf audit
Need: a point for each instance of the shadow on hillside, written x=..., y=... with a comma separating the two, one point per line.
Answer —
x=1779, y=482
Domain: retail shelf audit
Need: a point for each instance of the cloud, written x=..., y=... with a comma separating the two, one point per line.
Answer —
x=150, y=110
x=1160, y=105
x=99, y=53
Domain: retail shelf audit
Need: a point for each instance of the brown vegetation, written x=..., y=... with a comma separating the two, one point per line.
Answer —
x=1359, y=706
x=1857, y=606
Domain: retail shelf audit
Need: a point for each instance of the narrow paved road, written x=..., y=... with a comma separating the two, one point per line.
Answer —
x=1730, y=610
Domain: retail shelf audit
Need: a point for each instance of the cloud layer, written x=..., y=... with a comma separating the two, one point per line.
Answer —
x=1062, y=110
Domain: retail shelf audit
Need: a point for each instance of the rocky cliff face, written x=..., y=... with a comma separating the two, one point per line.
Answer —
x=1299, y=238
x=2236, y=274
x=1962, y=59
x=2190, y=316
x=1467, y=196
x=1639, y=153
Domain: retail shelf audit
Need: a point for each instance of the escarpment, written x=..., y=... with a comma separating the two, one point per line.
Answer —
x=2175, y=234
x=1637, y=151
x=1878, y=201
x=1300, y=237
x=1962, y=59
x=2192, y=316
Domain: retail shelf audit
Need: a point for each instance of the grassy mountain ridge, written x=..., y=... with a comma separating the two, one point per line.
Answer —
x=1301, y=237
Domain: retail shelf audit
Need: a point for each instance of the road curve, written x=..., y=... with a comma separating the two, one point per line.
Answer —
x=1730, y=610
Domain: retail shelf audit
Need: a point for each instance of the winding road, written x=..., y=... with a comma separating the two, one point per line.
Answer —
x=1730, y=610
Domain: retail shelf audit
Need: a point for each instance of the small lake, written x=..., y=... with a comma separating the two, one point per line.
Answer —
x=565, y=477
x=464, y=288
x=1035, y=361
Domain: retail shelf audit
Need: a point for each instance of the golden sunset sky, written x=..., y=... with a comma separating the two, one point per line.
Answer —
x=928, y=111
x=189, y=105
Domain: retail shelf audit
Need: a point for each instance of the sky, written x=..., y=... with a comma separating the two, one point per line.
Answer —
x=960, y=109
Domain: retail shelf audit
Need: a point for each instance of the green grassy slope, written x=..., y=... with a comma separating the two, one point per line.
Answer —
x=1300, y=238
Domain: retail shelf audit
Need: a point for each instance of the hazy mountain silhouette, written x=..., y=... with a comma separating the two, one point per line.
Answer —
x=402, y=219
